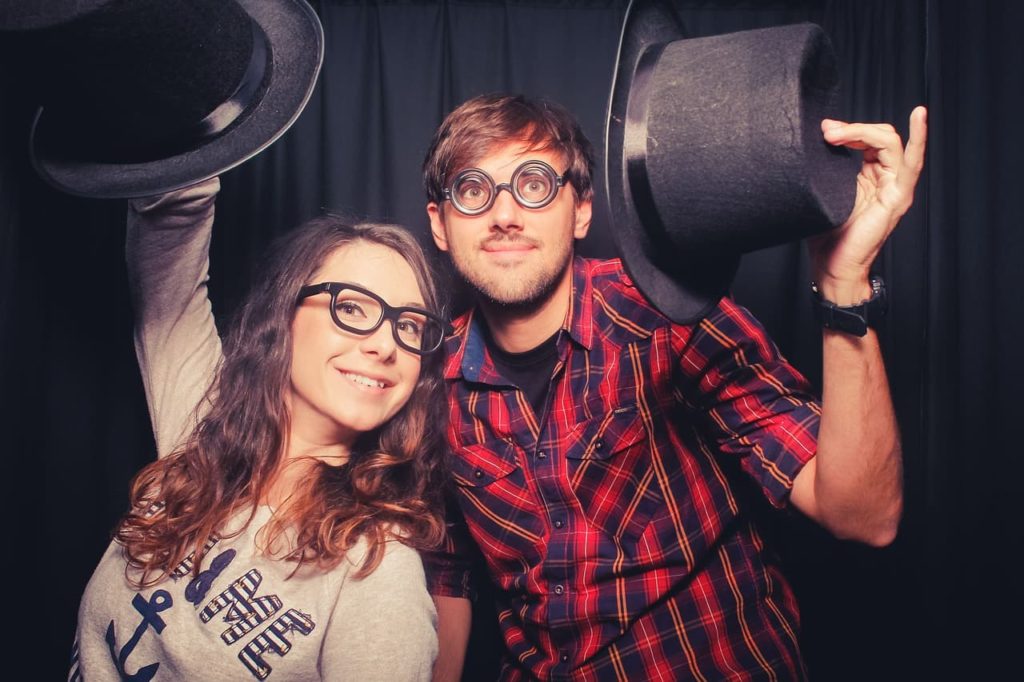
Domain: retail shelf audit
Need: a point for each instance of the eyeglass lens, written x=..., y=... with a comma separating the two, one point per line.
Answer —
x=534, y=184
x=363, y=313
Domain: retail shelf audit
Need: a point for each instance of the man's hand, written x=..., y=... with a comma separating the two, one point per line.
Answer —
x=842, y=257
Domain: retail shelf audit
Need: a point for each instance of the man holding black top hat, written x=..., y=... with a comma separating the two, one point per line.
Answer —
x=603, y=413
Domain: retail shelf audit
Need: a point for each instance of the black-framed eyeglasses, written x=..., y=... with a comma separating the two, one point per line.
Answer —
x=361, y=311
x=534, y=184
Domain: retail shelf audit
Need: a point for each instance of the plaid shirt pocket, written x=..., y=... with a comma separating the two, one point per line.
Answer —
x=611, y=475
x=505, y=513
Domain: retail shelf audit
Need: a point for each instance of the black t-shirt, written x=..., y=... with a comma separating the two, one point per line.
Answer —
x=530, y=371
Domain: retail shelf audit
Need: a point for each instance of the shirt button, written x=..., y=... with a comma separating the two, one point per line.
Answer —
x=478, y=473
x=559, y=589
x=599, y=444
x=558, y=523
x=541, y=455
x=565, y=658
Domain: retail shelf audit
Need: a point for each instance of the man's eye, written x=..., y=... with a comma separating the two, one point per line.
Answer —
x=534, y=186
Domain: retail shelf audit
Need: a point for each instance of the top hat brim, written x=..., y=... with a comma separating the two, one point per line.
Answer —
x=684, y=286
x=295, y=36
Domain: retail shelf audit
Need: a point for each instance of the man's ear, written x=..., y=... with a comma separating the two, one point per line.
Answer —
x=584, y=213
x=437, y=225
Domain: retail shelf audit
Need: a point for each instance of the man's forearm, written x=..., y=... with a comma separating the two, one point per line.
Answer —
x=854, y=485
x=454, y=618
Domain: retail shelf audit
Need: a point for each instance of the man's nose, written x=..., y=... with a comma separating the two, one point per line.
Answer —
x=506, y=213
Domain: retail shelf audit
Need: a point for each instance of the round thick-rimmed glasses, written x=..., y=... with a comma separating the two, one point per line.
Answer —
x=361, y=311
x=534, y=184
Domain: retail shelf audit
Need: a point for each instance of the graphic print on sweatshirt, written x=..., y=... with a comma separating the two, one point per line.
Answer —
x=240, y=606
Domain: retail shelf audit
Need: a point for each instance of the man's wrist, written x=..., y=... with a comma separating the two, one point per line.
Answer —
x=844, y=292
x=854, y=318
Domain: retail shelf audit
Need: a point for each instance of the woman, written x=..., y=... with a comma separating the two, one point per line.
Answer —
x=280, y=538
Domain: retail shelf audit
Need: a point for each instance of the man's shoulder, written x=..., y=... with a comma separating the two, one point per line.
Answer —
x=607, y=271
x=615, y=295
x=615, y=298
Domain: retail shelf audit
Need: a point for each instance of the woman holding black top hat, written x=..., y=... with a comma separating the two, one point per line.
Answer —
x=279, y=536
x=278, y=533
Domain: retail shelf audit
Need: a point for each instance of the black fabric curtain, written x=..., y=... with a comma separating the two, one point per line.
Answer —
x=940, y=603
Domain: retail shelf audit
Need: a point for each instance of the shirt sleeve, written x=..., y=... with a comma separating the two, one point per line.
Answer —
x=754, y=405
x=176, y=342
x=384, y=626
x=450, y=568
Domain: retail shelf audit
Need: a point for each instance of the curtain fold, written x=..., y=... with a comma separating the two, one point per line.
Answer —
x=971, y=402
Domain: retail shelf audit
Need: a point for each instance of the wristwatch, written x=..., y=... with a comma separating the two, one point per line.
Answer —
x=852, y=319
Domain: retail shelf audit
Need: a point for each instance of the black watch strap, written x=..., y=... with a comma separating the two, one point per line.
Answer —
x=852, y=319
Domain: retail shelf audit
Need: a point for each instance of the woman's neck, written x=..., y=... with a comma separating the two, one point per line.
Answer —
x=301, y=457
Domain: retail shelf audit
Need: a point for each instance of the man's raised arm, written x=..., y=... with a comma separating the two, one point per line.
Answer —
x=854, y=485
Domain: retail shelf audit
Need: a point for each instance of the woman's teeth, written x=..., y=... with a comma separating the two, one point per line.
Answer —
x=364, y=381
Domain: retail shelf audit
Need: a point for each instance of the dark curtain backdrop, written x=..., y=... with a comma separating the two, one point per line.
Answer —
x=942, y=603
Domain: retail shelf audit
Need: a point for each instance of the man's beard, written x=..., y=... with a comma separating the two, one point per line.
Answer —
x=518, y=297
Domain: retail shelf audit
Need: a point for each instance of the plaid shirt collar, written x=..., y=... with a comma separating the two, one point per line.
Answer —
x=466, y=350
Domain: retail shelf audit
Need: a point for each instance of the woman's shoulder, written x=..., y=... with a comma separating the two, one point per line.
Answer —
x=397, y=585
x=398, y=558
x=108, y=579
x=387, y=615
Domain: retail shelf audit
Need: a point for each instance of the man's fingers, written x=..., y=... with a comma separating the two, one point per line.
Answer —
x=913, y=157
x=880, y=136
x=902, y=164
x=830, y=123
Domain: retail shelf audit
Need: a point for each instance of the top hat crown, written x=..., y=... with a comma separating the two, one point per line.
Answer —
x=141, y=97
x=714, y=148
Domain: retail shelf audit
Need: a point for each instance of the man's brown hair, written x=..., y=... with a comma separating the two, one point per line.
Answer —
x=479, y=125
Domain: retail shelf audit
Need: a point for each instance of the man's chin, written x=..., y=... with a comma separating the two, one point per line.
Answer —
x=520, y=299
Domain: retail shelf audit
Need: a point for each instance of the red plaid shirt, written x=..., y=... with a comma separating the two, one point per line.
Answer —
x=613, y=523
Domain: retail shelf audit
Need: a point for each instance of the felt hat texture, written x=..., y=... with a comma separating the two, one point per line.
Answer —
x=713, y=148
x=140, y=97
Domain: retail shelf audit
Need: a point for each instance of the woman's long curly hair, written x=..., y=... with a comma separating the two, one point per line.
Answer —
x=390, y=488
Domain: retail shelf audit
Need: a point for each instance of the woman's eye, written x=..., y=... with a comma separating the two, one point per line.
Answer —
x=410, y=327
x=349, y=309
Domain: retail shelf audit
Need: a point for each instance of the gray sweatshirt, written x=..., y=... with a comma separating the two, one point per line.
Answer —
x=241, y=619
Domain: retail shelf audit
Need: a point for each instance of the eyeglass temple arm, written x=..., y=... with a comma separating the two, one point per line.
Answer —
x=314, y=289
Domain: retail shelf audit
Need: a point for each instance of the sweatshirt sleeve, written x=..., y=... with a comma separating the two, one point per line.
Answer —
x=176, y=341
x=384, y=626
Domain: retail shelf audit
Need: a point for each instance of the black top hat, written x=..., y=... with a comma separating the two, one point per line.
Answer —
x=141, y=97
x=713, y=148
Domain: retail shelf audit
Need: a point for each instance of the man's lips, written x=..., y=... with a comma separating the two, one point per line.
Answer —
x=503, y=246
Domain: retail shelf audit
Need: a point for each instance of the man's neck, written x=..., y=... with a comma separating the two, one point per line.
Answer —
x=520, y=330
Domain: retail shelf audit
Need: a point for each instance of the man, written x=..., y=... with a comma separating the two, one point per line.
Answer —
x=598, y=447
